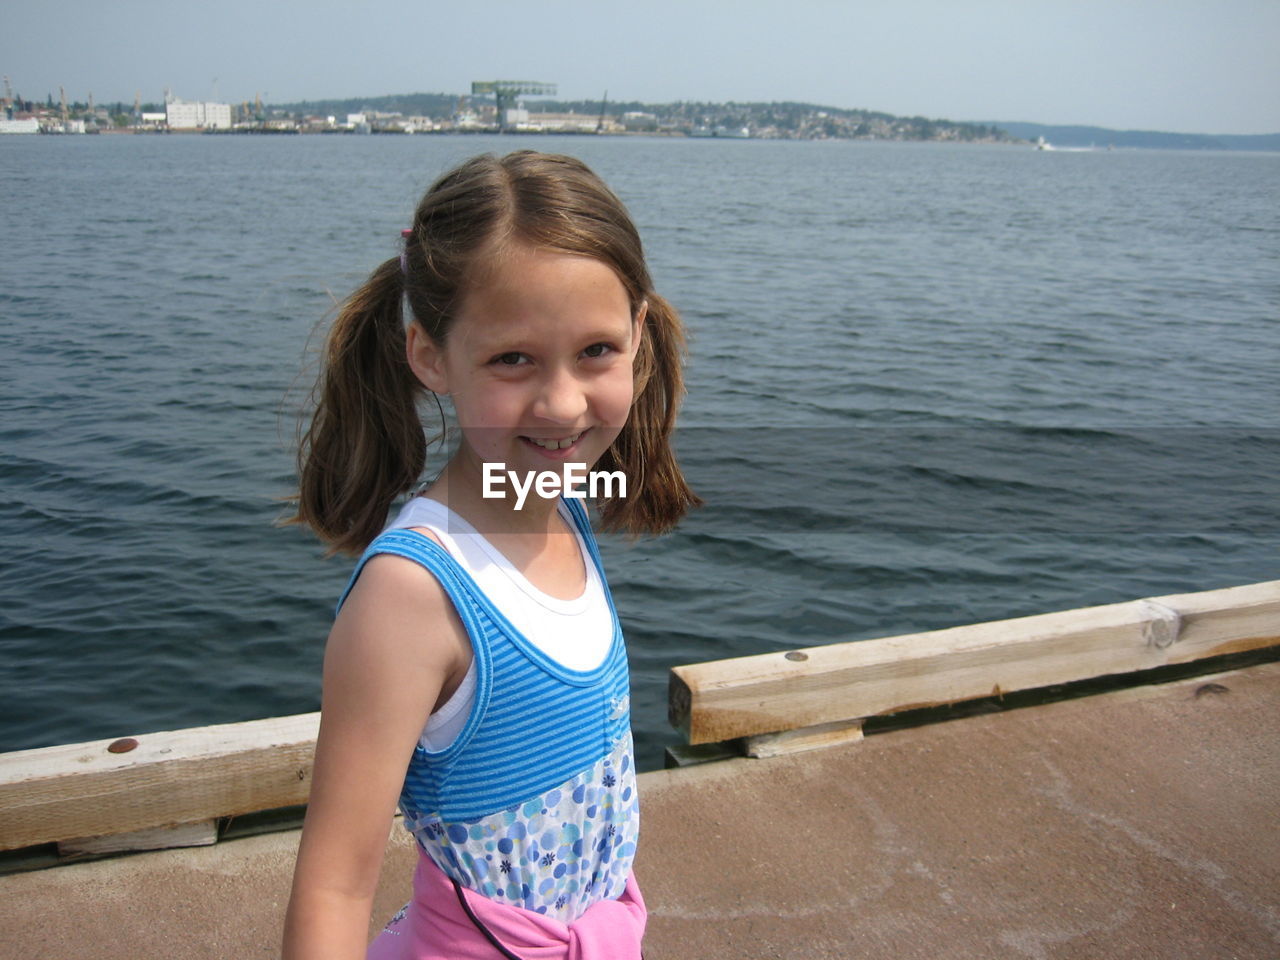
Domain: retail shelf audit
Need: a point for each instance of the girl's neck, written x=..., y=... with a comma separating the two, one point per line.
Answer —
x=535, y=539
x=459, y=488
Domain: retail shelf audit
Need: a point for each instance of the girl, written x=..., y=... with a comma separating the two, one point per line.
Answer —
x=476, y=670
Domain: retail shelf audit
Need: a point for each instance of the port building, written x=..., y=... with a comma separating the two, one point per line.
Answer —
x=193, y=115
x=25, y=125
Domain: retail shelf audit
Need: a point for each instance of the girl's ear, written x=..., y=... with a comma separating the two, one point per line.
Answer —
x=426, y=360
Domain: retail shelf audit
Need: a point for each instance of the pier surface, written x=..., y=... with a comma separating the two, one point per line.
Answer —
x=1140, y=823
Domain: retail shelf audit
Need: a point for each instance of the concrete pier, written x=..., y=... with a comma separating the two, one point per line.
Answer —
x=1138, y=824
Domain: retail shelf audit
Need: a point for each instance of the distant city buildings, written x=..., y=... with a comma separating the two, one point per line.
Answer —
x=18, y=115
x=445, y=113
x=25, y=125
x=205, y=115
x=636, y=121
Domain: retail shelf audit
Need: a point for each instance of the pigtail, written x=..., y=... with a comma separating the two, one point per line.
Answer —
x=658, y=494
x=365, y=444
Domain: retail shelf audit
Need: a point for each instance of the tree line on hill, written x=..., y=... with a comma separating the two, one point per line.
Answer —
x=792, y=120
x=786, y=120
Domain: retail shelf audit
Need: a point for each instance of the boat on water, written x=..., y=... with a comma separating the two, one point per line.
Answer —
x=1043, y=144
x=725, y=133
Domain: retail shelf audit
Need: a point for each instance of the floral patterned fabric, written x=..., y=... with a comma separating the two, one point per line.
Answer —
x=555, y=854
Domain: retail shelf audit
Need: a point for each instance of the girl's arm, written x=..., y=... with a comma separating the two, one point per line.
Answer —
x=395, y=645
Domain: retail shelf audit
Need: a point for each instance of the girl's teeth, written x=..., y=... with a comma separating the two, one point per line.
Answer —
x=556, y=444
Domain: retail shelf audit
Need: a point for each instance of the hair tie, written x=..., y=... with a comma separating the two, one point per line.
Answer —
x=404, y=260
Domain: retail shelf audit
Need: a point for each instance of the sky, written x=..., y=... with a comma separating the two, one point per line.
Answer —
x=1192, y=66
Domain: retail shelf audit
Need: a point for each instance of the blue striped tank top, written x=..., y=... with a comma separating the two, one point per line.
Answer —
x=534, y=804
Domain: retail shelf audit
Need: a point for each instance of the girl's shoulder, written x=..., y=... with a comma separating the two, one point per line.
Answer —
x=397, y=610
x=395, y=581
x=414, y=537
x=406, y=568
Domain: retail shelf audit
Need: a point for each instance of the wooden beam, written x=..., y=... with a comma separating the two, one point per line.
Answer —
x=838, y=734
x=774, y=692
x=175, y=777
x=64, y=793
x=201, y=834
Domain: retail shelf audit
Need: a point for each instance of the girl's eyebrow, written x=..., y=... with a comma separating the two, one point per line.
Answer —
x=616, y=333
x=503, y=341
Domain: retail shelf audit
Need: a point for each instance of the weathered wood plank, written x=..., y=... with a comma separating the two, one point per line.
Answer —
x=68, y=792
x=180, y=776
x=201, y=834
x=838, y=734
x=774, y=692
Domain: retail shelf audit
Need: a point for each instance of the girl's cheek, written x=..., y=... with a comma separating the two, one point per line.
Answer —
x=626, y=391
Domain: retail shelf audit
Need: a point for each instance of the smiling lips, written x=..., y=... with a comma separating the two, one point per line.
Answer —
x=548, y=443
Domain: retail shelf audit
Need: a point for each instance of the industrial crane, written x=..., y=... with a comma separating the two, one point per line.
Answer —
x=505, y=92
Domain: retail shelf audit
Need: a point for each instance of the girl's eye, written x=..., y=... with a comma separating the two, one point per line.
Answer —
x=596, y=350
x=508, y=359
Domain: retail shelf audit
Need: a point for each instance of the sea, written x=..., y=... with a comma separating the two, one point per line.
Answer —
x=929, y=384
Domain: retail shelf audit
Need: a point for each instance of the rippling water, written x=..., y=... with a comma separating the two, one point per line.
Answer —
x=929, y=385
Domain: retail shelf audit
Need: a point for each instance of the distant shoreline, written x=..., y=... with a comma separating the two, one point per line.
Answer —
x=1268, y=143
x=416, y=113
x=1102, y=138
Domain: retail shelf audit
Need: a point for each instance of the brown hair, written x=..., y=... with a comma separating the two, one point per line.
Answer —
x=365, y=444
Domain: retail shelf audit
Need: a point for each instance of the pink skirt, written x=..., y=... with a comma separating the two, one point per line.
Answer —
x=435, y=926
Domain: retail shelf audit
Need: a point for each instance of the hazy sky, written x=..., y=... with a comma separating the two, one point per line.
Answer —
x=1199, y=66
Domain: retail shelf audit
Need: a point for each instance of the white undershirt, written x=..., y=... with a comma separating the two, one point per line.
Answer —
x=575, y=633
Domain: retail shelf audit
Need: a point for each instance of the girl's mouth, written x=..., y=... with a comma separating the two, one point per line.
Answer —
x=556, y=446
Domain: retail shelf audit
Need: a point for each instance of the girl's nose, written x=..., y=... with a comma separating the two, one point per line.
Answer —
x=561, y=399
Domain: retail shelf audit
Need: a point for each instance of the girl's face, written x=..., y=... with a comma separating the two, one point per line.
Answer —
x=538, y=360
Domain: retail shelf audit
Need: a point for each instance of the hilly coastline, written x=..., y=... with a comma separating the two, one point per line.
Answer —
x=1080, y=136
x=768, y=121
x=785, y=120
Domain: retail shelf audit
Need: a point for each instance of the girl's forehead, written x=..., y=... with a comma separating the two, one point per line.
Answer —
x=530, y=281
x=511, y=259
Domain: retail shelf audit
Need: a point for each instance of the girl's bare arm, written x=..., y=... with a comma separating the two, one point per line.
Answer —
x=395, y=645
